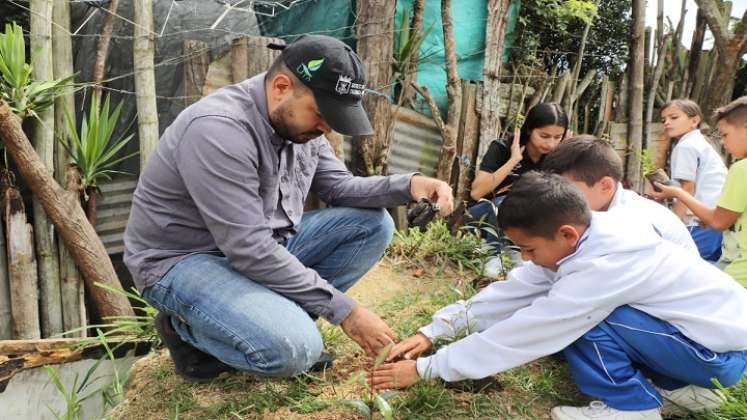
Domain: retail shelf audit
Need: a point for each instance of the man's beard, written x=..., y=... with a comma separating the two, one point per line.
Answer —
x=279, y=120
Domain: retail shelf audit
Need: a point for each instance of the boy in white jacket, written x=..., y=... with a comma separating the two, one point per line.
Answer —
x=593, y=165
x=623, y=305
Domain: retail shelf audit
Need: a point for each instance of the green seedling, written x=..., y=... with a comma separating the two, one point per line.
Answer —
x=373, y=402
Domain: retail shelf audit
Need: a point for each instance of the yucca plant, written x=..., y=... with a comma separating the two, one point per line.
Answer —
x=25, y=96
x=94, y=150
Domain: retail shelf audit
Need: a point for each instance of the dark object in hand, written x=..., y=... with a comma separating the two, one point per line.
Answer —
x=421, y=214
x=658, y=176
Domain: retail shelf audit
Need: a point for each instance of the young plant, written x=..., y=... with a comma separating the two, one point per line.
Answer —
x=651, y=171
x=26, y=97
x=93, y=150
x=374, y=402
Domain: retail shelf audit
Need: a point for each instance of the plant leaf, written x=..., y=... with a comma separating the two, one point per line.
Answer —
x=358, y=405
x=383, y=354
x=384, y=408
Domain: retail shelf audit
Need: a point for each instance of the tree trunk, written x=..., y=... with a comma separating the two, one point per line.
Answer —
x=43, y=138
x=635, y=99
x=454, y=93
x=71, y=284
x=660, y=67
x=730, y=47
x=145, y=81
x=573, y=87
x=24, y=292
x=73, y=292
x=375, y=42
x=696, y=47
x=495, y=28
x=91, y=195
x=6, y=315
x=102, y=47
x=69, y=220
x=468, y=137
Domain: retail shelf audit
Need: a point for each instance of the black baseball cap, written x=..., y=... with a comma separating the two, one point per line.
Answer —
x=336, y=75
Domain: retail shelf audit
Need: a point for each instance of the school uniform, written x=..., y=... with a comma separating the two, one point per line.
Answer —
x=694, y=159
x=666, y=223
x=625, y=306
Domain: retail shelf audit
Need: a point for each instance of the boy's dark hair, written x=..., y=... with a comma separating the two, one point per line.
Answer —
x=735, y=113
x=539, y=203
x=542, y=115
x=585, y=158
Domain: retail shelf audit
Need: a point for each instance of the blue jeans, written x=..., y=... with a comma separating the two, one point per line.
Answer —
x=483, y=215
x=613, y=360
x=708, y=242
x=252, y=328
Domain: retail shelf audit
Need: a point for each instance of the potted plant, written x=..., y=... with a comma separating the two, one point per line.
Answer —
x=652, y=172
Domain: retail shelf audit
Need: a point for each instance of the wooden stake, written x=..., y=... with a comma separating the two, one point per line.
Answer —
x=195, y=70
x=145, y=81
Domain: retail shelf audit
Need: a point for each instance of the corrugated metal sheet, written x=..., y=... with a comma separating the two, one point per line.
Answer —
x=415, y=147
x=112, y=211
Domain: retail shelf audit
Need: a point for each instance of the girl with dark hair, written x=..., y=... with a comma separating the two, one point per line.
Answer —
x=506, y=160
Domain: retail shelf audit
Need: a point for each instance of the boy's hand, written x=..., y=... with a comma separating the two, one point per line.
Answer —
x=410, y=348
x=394, y=375
x=667, y=191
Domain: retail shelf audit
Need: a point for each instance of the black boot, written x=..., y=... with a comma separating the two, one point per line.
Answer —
x=190, y=363
x=326, y=359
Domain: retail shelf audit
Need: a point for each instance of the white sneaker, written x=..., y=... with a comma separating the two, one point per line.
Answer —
x=690, y=399
x=494, y=267
x=600, y=411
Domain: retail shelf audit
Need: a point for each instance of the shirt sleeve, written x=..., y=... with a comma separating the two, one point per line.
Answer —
x=334, y=184
x=496, y=156
x=495, y=302
x=684, y=163
x=734, y=194
x=222, y=179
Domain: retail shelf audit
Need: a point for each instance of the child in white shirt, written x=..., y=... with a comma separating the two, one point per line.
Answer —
x=624, y=306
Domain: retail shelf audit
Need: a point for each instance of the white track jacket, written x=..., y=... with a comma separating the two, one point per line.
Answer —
x=619, y=260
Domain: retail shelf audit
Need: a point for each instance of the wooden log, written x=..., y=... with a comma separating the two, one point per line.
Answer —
x=660, y=67
x=240, y=59
x=69, y=220
x=143, y=50
x=696, y=47
x=43, y=139
x=24, y=283
x=261, y=57
x=195, y=69
x=70, y=281
x=6, y=319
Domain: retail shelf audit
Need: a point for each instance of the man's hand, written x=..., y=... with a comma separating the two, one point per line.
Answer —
x=435, y=190
x=368, y=330
x=394, y=375
x=410, y=348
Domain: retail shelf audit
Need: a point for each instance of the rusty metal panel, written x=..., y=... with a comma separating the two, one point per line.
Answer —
x=416, y=145
x=112, y=211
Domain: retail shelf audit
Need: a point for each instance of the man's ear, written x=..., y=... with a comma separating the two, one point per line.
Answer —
x=280, y=85
x=568, y=234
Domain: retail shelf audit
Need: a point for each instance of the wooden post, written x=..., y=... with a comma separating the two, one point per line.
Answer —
x=195, y=70
x=239, y=59
x=71, y=283
x=490, y=122
x=262, y=57
x=68, y=218
x=660, y=67
x=635, y=105
x=73, y=292
x=145, y=81
x=468, y=136
x=43, y=138
x=375, y=43
x=24, y=292
x=102, y=47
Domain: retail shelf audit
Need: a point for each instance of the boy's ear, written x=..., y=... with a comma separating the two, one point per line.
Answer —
x=607, y=183
x=568, y=234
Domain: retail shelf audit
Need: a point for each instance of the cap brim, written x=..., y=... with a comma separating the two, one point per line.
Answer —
x=345, y=117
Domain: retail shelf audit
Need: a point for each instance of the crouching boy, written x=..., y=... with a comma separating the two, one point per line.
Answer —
x=637, y=317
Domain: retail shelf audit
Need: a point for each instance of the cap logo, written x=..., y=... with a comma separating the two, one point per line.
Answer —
x=306, y=70
x=343, y=85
